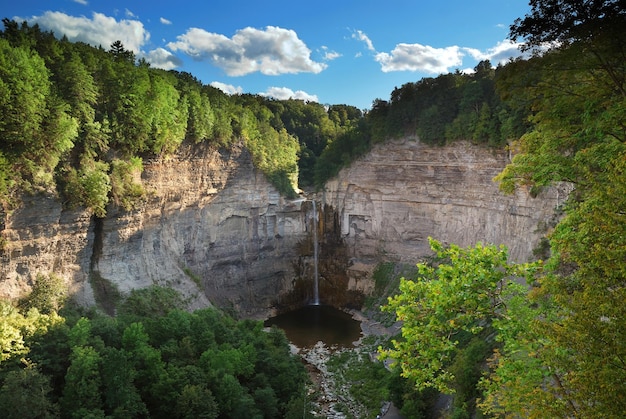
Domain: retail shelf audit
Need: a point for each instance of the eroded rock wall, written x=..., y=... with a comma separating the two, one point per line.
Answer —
x=39, y=237
x=215, y=229
x=212, y=227
x=403, y=191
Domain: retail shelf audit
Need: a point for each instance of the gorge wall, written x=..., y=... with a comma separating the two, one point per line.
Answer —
x=215, y=229
x=404, y=191
x=212, y=227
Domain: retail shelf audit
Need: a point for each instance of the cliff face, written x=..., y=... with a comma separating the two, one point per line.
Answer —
x=40, y=237
x=402, y=192
x=213, y=228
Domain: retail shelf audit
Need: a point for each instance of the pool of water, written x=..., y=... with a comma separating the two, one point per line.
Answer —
x=307, y=325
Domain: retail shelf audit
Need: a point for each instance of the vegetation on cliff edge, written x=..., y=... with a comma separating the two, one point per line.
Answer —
x=560, y=342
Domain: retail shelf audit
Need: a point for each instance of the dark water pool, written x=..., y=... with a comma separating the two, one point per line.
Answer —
x=307, y=325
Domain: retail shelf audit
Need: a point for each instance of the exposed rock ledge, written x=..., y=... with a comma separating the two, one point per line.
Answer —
x=215, y=229
x=390, y=201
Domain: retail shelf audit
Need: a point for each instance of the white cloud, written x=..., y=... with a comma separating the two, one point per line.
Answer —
x=502, y=52
x=128, y=13
x=284, y=93
x=83, y=2
x=359, y=35
x=100, y=30
x=162, y=58
x=165, y=21
x=329, y=55
x=417, y=57
x=227, y=88
x=271, y=51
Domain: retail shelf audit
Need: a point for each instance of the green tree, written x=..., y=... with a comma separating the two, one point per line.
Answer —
x=462, y=293
x=120, y=53
x=25, y=394
x=126, y=192
x=24, y=88
x=16, y=328
x=169, y=113
x=81, y=394
x=562, y=22
x=571, y=359
x=196, y=401
x=89, y=186
x=48, y=294
x=121, y=398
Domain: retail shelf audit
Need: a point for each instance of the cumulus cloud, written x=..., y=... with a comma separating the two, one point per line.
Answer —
x=270, y=51
x=162, y=58
x=417, y=57
x=100, y=30
x=284, y=93
x=227, y=88
x=360, y=36
x=502, y=52
x=165, y=21
x=329, y=55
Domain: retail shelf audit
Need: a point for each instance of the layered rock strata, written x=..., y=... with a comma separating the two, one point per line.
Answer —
x=215, y=229
x=403, y=192
x=212, y=227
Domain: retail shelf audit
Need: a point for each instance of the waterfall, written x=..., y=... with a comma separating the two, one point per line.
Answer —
x=316, y=291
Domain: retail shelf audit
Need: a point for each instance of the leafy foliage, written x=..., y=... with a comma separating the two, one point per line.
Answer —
x=154, y=360
x=80, y=118
x=461, y=294
x=565, y=357
x=48, y=294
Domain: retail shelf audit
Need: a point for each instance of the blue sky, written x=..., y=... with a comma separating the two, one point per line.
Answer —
x=332, y=52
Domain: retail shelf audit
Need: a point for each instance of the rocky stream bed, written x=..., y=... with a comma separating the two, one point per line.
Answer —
x=328, y=394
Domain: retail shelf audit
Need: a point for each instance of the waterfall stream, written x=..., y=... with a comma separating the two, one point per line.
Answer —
x=316, y=291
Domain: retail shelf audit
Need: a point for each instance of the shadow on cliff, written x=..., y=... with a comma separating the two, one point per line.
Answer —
x=332, y=260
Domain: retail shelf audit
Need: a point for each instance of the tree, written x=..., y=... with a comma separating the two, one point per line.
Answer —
x=462, y=293
x=564, y=21
x=573, y=340
x=48, y=294
x=120, y=53
x=196, y=401
x=121, y=398
x=25, y=395
x=24, y=87
x=16, y=328
x=81, y=394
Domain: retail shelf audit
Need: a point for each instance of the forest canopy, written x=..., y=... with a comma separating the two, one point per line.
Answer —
x=557, y=346
x=152, y=360
x=80, y=120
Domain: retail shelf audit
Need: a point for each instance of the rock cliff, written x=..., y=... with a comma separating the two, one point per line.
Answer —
x=215, y=229
x=212, y=227
x=402, y=192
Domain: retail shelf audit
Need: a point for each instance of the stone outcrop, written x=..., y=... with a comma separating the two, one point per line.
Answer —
x=402, y=192
x=215, y=229
x=212, y=227
x=40, y=237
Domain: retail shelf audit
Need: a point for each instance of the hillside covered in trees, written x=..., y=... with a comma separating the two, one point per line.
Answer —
x=556, y=346
x=78, y=121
